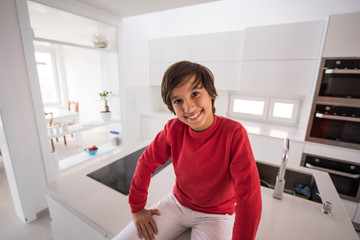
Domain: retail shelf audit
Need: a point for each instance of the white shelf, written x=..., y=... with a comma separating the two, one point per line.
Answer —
x=74, y=45
x=79, y=127
x=77, y=159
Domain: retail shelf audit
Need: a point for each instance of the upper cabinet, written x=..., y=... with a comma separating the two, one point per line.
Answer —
x=343, y=36
x=170, y=49
x=279, y=57
x=284, y=41
x=217, y=47
x=220, y=52
x=263, y=59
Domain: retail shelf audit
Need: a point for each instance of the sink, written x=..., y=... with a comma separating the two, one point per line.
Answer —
x=269, y=172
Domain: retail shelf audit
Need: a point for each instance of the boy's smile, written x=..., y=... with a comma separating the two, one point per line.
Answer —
x=193, y=105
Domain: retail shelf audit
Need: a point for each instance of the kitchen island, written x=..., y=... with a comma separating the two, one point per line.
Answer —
x=83, y=208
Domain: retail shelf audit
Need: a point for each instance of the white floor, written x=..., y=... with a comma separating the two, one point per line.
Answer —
x=11, y=227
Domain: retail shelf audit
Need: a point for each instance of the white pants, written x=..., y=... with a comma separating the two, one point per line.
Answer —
x=175, y=219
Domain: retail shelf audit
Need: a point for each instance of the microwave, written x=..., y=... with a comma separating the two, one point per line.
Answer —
x=335, y=125
x=339, y=81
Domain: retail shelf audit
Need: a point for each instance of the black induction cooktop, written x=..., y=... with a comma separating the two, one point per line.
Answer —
x=118, y=175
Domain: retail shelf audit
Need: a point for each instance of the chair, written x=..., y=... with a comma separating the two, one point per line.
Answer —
x=72, y=106
x=50, y=125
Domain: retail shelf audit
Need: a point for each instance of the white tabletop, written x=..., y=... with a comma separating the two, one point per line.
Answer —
x=60, y=114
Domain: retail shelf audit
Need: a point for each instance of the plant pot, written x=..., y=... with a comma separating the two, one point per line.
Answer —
x=105, y=116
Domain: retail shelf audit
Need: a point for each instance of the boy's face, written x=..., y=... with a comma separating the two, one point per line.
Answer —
x=193, y=105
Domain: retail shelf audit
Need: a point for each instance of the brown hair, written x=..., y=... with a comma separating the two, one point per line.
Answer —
x=179, y=72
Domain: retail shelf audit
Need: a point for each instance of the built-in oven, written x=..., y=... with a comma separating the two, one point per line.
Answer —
x=339, y=80
x=335, y=125
x=344, y=175
x=335, y=113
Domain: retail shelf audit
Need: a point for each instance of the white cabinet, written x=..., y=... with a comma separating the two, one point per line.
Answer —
x=285, y=41
x=152, y=125
x=217, y=47
x=345, y=154
x=343, y=36
x=157, y=70
x=351, y=209
x=220, y=52
x=226, y=74
x=66, y=225
x=281, y=59
x=270, y=149
x=291, y=77
x=356, y=218
x=170, y=49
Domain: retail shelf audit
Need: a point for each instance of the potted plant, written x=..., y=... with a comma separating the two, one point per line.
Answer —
x=106, y=97
x=100, y=41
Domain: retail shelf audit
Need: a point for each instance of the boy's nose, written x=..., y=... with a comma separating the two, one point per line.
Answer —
x=188, y=106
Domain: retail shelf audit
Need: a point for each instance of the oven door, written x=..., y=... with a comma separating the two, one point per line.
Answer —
x=340, y=83
x=345, y=176
x=335, y=130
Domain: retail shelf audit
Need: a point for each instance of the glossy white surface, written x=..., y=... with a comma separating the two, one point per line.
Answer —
x=297, y=218
x=290, y=218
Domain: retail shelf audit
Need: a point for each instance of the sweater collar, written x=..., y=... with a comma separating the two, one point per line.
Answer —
x=207, y=132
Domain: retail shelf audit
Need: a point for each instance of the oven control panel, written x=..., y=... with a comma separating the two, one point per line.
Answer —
x=338, y=111
x=333, y=164
x=342, y=64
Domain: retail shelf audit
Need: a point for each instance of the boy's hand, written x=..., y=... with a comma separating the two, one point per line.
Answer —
x=145, y=224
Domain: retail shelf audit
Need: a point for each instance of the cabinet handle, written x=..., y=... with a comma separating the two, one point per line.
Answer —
x=342, y=71
x=348, y=175
x=342, y=118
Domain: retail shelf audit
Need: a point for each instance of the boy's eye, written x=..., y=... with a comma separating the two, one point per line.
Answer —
x=194, y=94
x=177, y=101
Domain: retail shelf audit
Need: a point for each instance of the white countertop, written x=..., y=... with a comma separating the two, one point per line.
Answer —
x=289, y=218
x=298, y=218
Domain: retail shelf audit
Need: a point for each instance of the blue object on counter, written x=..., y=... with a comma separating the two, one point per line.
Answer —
x=92, y=152
x=302, y=190
x=114, y=132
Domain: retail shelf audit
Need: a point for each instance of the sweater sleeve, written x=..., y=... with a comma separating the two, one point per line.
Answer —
x=155, y=155
x=246, y=187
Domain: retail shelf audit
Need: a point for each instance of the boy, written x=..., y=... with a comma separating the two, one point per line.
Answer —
x=213, y=164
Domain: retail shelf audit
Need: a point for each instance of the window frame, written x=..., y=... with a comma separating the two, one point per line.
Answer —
x=248, y=115
x=295, y=112
x=269, y=104
x=50, y=50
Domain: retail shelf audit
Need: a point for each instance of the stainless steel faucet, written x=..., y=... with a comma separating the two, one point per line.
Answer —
x=280, y=178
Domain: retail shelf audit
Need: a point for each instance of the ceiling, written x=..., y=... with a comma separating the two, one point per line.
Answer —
x=127, y=8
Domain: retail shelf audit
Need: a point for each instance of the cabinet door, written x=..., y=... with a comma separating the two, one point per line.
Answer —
x=157, y=71
x=270, y=149
x=66, y=225
x=285, y=41
x=217, y=47
x=356, y=218
x=343, y=36
x=351, y=209
x=170, y=49
x=226, y=74
x=151, y=126
x=278, y=77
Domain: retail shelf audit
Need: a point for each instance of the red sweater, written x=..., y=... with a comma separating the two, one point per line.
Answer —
x=214, y=170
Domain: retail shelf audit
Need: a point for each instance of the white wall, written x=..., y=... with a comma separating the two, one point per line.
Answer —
x=23, y=157
x=227, y=15
x=86, y=73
